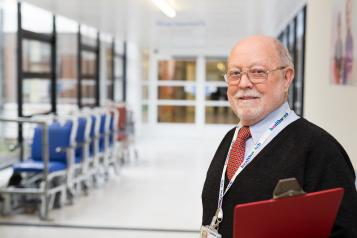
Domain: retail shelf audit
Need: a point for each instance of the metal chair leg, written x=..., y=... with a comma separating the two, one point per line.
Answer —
x=6, y=209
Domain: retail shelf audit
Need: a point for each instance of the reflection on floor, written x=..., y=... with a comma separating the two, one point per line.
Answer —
x=159, y=195
x=6, y=231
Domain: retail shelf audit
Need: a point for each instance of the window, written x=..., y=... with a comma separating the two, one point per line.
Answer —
x=119, y=58
x=215, y=69
x=88, y=63
x=67, y=84
x=89, y=71
x=186, y=90
x=220, y=115
x=181, y=70
x=36, y=93
x=145, y=87
x=176, y=114
x=293, y=37
x=217, y=110
x=36, y=56
x=36, y=19
x=176, y=90
x=8, y=83
x=299, y=63
x=108, y=69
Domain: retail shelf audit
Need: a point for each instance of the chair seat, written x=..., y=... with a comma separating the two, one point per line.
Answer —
x=31, y=166
x=78, y=159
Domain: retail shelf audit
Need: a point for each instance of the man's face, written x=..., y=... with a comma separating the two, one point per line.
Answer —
x=252, y=102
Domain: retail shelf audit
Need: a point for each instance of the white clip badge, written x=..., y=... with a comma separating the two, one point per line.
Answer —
x=207, y=232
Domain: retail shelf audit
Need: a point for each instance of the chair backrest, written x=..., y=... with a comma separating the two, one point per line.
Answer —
x=59, y=135
x=111, y=128
x=81, y=136
x=103, y=129
x=92, y=134
x=113, y=124
x=94, y=131
x=122, y=117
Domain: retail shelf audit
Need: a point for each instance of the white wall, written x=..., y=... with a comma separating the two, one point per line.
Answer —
x=134, y=77
x=329, y=106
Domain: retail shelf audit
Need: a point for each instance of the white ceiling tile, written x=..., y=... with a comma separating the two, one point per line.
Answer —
x=202, y=23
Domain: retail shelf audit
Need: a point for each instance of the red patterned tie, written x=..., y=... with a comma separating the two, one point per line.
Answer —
x=236, y=156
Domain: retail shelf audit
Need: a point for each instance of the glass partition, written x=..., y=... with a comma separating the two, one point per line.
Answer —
x=220, y=115
x=176, y=114
x=36, y=56
x=177, y=92
x=36, y=96
x=66, y=64
x=217, y=110
x=180, y=69
x=215, y=69
x=176, y=87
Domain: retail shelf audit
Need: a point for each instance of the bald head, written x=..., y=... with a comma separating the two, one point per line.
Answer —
x=275, y=50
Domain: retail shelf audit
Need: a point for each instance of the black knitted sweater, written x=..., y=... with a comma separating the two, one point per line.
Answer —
x=301, y=150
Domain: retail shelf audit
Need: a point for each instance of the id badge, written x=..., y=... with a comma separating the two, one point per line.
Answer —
x=207, y=232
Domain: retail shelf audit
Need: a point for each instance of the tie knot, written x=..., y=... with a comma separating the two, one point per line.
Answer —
x=244, y=133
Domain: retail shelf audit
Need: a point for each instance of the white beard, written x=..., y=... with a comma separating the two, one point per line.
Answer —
x=251, y=112
x=245, y=111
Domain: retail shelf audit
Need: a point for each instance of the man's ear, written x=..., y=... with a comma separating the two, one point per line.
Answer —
x=288, y=77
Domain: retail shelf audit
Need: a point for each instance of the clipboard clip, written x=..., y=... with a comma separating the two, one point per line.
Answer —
x=288, y=187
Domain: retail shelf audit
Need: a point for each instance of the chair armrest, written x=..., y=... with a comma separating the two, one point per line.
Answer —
x=65, y=149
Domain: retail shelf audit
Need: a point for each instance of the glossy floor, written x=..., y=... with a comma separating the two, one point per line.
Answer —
x=158, y=195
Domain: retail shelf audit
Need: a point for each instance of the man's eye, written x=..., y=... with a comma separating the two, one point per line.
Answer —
x=235, y=73
x=257, y=71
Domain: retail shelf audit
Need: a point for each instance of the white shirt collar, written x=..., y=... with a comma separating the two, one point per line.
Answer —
x=258, y=129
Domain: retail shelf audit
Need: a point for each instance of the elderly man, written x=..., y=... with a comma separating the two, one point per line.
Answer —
x=271, y=142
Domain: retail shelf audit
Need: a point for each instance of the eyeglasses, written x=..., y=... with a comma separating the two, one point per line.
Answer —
x=255, y=75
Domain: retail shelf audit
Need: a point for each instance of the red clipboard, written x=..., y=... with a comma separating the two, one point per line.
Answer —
x=310, y=215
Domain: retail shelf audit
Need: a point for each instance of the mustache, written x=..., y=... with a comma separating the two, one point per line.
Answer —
x=247, y=93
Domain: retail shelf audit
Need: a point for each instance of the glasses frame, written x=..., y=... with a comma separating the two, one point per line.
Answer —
x=246, y=72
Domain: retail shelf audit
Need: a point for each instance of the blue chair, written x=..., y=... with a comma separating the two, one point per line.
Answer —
x=104, y=150
x=35, y=180
x=114, y=157
x=102, y=133
x=93, y=158
x=111, y=129
x=58, y=136
x=93, y=148
x=81, y=139
x=81, y=176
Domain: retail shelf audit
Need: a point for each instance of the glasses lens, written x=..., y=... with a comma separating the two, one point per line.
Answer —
x=233, y=76
x=258, y=74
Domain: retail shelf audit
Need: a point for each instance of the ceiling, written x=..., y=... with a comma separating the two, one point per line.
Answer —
x=198, y=23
